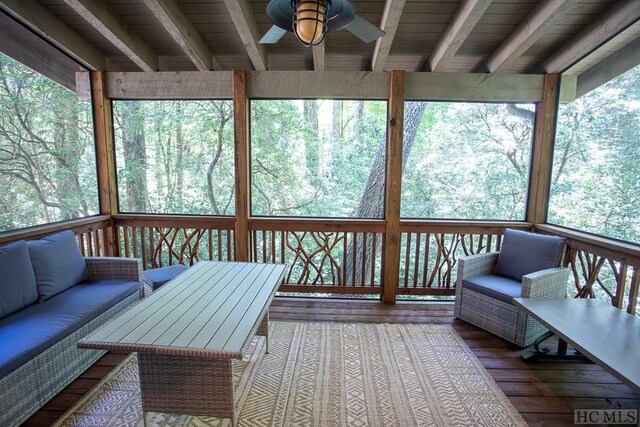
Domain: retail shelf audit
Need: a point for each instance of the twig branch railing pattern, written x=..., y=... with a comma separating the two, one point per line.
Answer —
x=346, y=256
x=164, y=240
x=430, y=250
x=601, y=268
x=323, y=256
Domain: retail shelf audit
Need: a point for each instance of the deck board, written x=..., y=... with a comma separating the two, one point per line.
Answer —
x=545, y=394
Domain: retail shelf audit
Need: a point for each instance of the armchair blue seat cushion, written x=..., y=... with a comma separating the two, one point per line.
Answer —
x=157, y=277
x=31, y=330
x=497, y=287
x=17, y=281
x=522, y=253
x=57, y=263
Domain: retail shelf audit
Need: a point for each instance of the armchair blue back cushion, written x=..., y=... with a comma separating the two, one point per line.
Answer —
x=522, y=253
x=57, y=263
x=17, y=281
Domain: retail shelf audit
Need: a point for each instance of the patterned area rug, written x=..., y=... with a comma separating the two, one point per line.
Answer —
x=332, y=374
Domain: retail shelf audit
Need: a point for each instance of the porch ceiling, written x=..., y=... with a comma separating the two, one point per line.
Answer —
x=499, y=36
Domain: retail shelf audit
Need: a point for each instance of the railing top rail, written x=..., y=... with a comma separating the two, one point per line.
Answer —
x=185, y=221
x=460, y=226
x=598, y=245
x=80, y=225
x=318, y=224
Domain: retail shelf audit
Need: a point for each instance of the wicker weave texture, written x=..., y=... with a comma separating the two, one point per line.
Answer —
x=186, y=385
x=500, y=318
x=114, y=268
x=29, y=387
x=474, y=265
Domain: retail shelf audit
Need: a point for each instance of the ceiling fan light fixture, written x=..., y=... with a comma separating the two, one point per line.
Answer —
x=310, y=20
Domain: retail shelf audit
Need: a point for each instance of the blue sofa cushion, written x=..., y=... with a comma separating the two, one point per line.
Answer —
x=522, y=253
x=496, y=287
x=157, y=277
x=17, y=281
x=57, y=263
x=28, y=332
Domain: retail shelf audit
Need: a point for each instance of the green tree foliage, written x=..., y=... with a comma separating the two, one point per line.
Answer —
x=175, y=156
x=47, y=154
x=303, y=165
x=596, y=170
x=469, y=161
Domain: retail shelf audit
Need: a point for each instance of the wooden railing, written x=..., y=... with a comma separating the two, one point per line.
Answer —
x=347, y=256
x=600, y=267
x=161, y=240
x=430, y=250
x=322, y=255
x=89, y=231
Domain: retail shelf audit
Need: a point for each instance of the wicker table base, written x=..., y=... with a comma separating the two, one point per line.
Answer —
x=201, y=386
x=187, y=334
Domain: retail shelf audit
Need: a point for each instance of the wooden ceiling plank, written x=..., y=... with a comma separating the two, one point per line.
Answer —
x=541, y=18
x=24, y=46
x=609, y=68
x=183, y=32
x=245, y=23
x=602, y=28
x=389, y=24
x=43, y=23
x=96, y=13
x=318, y=57
x=465, y=19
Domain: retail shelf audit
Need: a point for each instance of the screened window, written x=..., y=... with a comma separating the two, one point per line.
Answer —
x=47, y=150
x=596, y=167
x=318, y=158
x=466, y=160
x=175, y=156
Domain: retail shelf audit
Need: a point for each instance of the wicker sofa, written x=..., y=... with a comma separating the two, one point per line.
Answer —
x=526, y=267
x=38, y=353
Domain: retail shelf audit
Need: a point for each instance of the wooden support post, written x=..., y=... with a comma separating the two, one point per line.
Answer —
x=395, y=127
x=542, y=151
x=241, y=138
x=106, y=162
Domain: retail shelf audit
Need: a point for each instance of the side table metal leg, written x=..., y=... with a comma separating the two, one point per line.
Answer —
x=544, y=353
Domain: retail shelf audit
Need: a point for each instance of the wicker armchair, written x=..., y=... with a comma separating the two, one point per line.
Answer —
x=491, y=307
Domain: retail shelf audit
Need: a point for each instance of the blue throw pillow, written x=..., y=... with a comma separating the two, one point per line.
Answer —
x=17, y=281
x=522, y=253
x=57, y=263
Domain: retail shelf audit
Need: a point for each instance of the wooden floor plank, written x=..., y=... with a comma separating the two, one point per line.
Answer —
x=545, y=393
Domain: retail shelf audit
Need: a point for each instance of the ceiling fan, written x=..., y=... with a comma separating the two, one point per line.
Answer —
x=311, y=20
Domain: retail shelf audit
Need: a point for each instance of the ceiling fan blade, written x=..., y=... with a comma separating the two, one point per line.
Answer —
x=273, y=36
x=364, y=30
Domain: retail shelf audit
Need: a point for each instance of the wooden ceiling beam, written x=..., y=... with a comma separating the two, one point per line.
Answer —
x=601, y=29
x=541, y=18
x=43, y=23
x=467, y=16
x=96, y=13
x=318, y=57
x=245, y=23
x=183, y=32
x=389, y=24
x=609, y=68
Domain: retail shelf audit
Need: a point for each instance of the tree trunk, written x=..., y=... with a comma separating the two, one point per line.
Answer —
x=312, y=144
x=179, y=156
x=336, y=135
x=372, y=201
x=135, y=157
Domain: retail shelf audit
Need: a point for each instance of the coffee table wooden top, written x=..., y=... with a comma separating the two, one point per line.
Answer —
x=211, y=310
x=603, y=333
